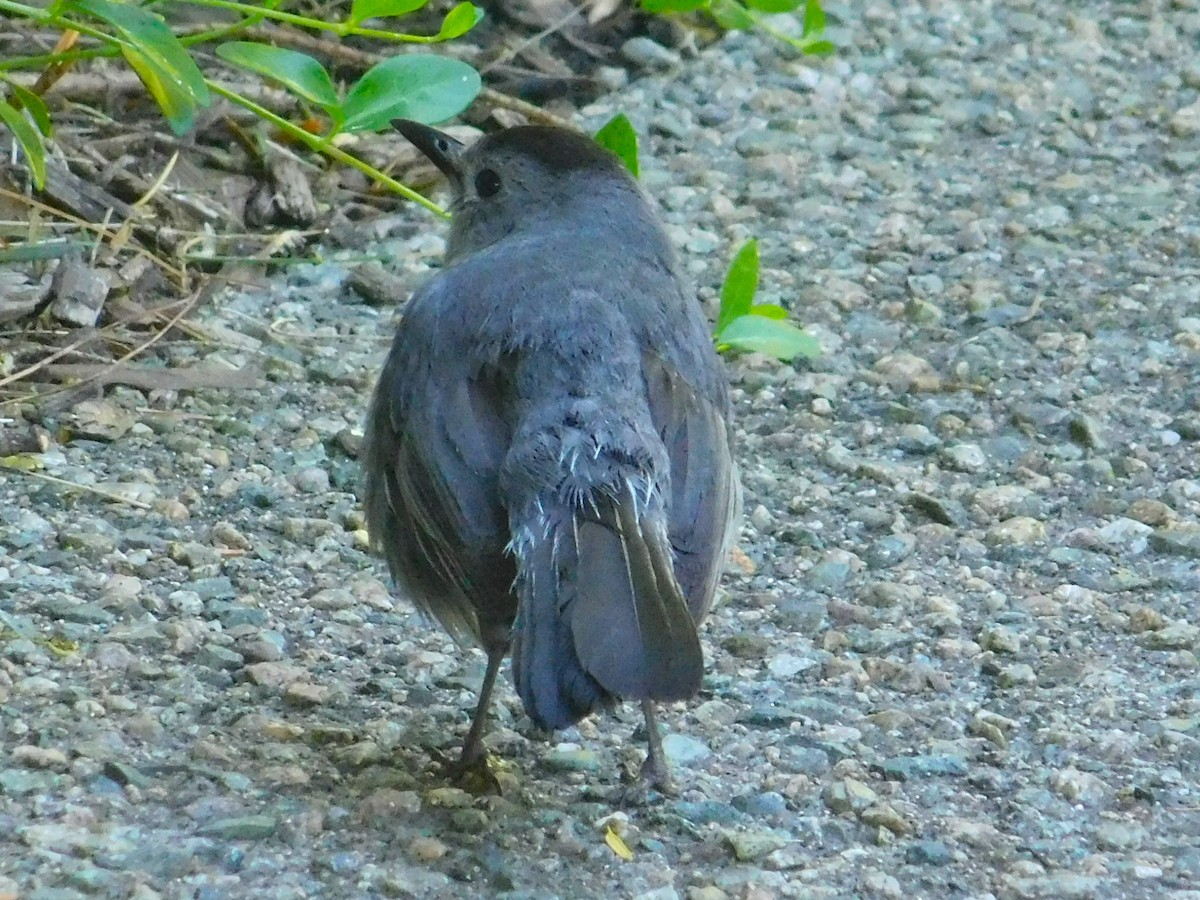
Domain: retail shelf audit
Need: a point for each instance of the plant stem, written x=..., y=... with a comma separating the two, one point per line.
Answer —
x=322, y=145
x=342, y=29
x=46, y=59
x=60, y=22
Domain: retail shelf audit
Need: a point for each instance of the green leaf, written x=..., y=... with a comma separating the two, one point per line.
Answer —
x=459, y=21
x=741, y=281
x=818, y=48
x=774, y=6
x=35, y=105
x=618, y=136
x=361, y=10
x=423, y=87
x=161, y=62
x=673, y=6
x=814, y=18
x=175, y=101
x=51, y=249
x=29, y=139
x=298, y=72
x=758, y=334
x=731, y=15
x=768, y=311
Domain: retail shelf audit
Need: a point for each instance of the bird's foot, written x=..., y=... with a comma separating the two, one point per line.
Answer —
x=474, y=773
x=655, y=776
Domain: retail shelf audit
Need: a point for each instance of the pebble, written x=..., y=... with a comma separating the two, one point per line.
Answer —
x=928, y=853
x=312, y=480
x=648, y=54
x=848, y=795
x=1181, y=541
x=1176, y=636
x=1017, y=531
x=753, y=844
x=303, y=693
x=1129, y=534
x=39, y=757
x=572, y=759
x=965, y=457
x=829, y=574
x=786, y=665
x=241, y=828
x=683, y=750
x=890, y=551
x=917, y=439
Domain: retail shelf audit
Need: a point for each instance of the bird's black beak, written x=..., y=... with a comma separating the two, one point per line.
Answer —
x=443, y=151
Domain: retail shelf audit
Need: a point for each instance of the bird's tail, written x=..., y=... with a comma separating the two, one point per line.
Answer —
x=601, y=614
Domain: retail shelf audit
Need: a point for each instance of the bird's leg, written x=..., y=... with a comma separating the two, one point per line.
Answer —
x=655, y=772
x=472, y=772
x=473, y=752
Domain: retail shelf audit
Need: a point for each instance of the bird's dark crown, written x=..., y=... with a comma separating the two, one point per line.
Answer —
x=558, y=149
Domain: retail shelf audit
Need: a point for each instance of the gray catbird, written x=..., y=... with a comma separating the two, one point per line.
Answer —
x=548, y=450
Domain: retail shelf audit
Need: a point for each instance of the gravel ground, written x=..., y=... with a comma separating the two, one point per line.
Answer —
x=964, y=663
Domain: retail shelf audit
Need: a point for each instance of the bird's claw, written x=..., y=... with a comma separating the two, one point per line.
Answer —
x=474, y=774
x=655, y=775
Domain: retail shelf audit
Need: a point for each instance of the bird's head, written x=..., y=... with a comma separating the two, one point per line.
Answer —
x=525, y=178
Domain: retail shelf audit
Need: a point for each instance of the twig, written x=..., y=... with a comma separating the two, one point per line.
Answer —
x=86, y=488
x=179, y=274
x=531, y=112
x=185, y=307
x=57, y=354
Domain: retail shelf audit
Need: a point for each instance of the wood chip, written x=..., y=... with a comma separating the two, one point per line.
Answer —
x=154, y=378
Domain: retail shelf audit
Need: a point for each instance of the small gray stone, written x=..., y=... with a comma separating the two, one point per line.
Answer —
x=928, y=853
x=1119, y=836
x=186, y=603
x=1128, y=534
x=215, y=656
x=941, y=510
x=905, y=768
x=965, y=457
x=218, y=588
x=811, y=761
x=786, y=665
x=1057, y=886
x=573, y=759
x=1017, y=531
x=1182, y=541
x=848, y=795
x=241, y=828
x=1000, y=638
x=194, y=555
x=748, y=846
x=917, y=439
x=1176, y=636
x=124, y=774
x=683, y=750
x=312, y=480
x=112, y=654
x=829, y=574
x=21, y=782
x=67, y=609
x=890, y=550
x=1016, y=675
x=649, y=54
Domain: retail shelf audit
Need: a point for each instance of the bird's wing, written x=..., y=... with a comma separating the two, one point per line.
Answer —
x=435, y=439
x=705, y=501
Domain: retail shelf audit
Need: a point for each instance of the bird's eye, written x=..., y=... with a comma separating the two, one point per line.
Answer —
x=487, y=183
